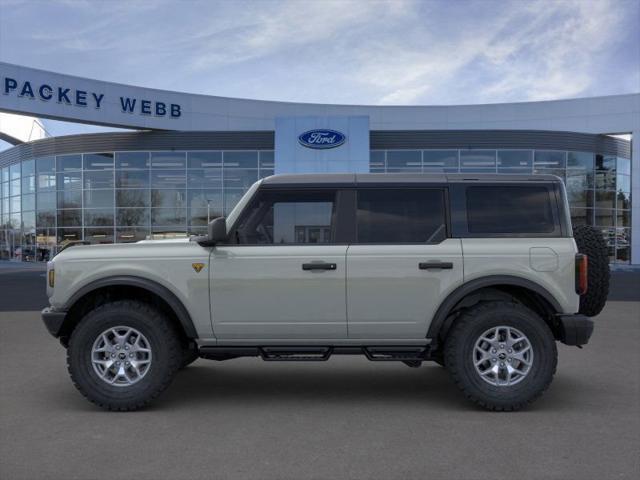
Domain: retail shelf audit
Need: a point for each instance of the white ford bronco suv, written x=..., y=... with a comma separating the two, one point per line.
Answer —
x=479, y=273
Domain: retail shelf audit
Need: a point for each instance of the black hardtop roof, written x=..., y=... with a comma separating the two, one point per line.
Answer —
x=353, y=179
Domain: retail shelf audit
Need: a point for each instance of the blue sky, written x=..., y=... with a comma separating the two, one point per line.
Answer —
x=360, y=52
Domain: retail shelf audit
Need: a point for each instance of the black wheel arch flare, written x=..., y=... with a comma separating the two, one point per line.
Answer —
x=153, y=287
x=439, y=321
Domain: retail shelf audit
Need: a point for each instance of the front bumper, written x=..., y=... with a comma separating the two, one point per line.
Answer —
x=53, y=320
x=575, y=329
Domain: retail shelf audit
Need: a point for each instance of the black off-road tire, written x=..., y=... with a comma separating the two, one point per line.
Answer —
x=460, y=344
x=150, y=322
x=590, y=242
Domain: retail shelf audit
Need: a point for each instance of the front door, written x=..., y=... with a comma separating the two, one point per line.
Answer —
x=402, y=264
x=282, y=275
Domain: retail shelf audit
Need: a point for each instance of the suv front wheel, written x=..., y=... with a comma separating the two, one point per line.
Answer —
x=501, y=355
x=123, y=354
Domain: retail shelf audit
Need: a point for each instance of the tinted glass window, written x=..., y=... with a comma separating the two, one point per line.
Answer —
x=515, y=160
x=132, y=160
x=477, y=161
x=401, y=216
x=266, y=159
x=580, y=160
x=98, y=161
x=505, y=209
x=204, y=159
x=69, y=162
x=69, y=180
x=404, y=159
x=168, y=160
x=98, y=199
x=28, y=167
x=47, y=164
x=97, y=179
x=204, y=178
x=281, y=218
x=132, y=179
x=14, y=171
x=440, y=160
x=241, y=159
x=550, y=159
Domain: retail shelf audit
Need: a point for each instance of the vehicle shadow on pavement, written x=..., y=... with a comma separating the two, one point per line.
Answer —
x=313, y=385
x=205, y=386
x=426, y=387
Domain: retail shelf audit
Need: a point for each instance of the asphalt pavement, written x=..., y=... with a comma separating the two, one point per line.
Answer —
x=342, y=419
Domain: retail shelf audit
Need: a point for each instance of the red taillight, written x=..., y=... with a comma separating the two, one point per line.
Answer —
x=582, y=266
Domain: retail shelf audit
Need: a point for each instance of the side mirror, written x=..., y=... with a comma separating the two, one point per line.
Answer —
x=217, y=230
x=216, y=233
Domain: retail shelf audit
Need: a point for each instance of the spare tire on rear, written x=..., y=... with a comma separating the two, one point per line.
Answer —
x=591, y=243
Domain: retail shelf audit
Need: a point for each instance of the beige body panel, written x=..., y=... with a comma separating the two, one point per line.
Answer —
x=262, y=292
x=166, y=263
x=547, y=262
x=388, y=296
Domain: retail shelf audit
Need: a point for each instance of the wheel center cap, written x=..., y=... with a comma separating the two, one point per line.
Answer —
x=502, y=356
x=122, y=356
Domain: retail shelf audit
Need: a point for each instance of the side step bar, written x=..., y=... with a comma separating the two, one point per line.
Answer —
x=411, y=353
x=394, y=354
x=293, y=354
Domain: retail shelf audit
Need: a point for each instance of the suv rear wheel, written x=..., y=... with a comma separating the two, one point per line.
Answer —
x=123, y=354
x=501, y=355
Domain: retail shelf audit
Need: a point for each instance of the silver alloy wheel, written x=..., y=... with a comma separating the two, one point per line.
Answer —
x=121, y=356
x=502, y=356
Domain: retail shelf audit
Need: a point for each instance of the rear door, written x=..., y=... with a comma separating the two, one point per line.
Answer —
x=402, y=264
x=283, y=274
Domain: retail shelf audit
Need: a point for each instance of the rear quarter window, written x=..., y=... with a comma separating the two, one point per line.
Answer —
x=498, y=209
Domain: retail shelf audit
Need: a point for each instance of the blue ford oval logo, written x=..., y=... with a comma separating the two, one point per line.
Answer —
x=322, y=138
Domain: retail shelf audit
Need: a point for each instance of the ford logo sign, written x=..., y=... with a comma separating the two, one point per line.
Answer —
x=322, y=138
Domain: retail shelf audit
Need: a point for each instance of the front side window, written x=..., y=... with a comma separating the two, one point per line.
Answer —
x=289, y=218
x=509, y=210
x=401, y=216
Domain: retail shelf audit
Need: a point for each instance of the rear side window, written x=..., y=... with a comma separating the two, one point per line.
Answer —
x=509, y=209
x=401, y=216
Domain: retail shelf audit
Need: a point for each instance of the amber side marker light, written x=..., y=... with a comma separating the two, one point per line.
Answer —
x=52, y=278
x=582, y=268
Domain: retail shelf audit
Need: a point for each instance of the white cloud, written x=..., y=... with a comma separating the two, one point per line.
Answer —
x=552, y=55
x=344, y=51
x=272, y=29
x=531, y=51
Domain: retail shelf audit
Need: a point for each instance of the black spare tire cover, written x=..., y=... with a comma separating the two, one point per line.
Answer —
x=591, y=243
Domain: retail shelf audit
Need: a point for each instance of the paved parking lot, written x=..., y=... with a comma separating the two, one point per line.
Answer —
x=347, y=418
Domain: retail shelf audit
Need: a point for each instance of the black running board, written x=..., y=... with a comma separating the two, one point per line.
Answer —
x=401, y=353
x=395, y=354
x=295, y=354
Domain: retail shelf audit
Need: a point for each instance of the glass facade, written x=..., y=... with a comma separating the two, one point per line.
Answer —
x=108, y=197
x=598, y=186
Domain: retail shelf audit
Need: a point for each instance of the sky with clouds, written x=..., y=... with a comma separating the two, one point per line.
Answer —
x=336, y=51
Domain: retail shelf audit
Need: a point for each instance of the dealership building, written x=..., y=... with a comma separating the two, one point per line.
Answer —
x=189, y=158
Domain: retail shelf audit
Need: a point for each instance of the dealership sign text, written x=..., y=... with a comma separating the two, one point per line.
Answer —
x=81, y=98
